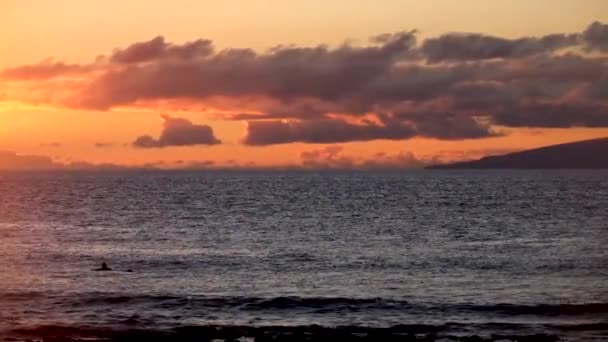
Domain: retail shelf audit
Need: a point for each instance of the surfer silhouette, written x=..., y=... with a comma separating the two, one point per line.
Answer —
x=104, y=267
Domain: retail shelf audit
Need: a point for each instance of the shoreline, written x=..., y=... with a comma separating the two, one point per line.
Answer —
x=414, y=332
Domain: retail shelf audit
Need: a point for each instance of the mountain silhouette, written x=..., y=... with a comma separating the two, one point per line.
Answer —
x=587, y=154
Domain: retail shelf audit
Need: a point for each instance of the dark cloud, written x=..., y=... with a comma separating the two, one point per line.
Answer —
x=324, y=131
x=102, y=144
x=470, y=46
x=482, y=96
x=178, y=132
x=455, y=86
x=554, y=115
x=157, y=49
x=448, y=126
x=568, y=69
x=598, y=90
x=596, y=36
x=284, y=73
x=307, y=84
x=415, y=83
x=301, y=109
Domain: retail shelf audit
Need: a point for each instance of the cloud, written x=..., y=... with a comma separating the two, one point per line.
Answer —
x=282, y=73
x=178, y=132
x=326, y=131
x=102, y=144
x=596, y=36
x=447, y=126
x=320, y=131
x=599, y=89
x=44, y=70
x=454, y=86
x=12, y=161
x=333, y=157
x=329, y=157
x=472, y=46
x=157, y=49
x=555, y=115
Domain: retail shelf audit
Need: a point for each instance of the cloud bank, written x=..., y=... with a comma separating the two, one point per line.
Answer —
x=333, y=157
x=12, y=161
x=453, y=86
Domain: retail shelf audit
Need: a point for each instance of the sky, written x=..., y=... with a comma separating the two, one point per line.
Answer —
x=303, y=84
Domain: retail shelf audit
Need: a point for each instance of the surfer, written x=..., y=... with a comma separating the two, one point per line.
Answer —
x=104, y=267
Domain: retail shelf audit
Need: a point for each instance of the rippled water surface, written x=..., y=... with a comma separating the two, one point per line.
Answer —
x=523, y=250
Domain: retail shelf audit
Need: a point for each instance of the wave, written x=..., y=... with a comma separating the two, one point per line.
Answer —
x=385, y=304
x=324, y=302
x=544, y=309
x=317, y=304
x=243, y=303
x=124, y=325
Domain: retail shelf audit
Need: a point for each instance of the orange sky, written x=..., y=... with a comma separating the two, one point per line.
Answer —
x=75, y=31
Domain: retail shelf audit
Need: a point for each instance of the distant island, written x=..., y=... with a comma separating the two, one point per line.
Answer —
x=587, y=154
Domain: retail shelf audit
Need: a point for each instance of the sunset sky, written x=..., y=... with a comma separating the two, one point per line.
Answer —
x=384, y=83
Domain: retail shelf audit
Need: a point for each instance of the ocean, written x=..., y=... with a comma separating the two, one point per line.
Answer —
x=422, y=254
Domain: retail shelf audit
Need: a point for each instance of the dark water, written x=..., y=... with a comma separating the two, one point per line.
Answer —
x=464, y=252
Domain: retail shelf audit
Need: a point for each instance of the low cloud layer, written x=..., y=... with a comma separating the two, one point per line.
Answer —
x=12, y=161
x=333, y=157
x=453, y=86
x=46, y=70
x=178, y=132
